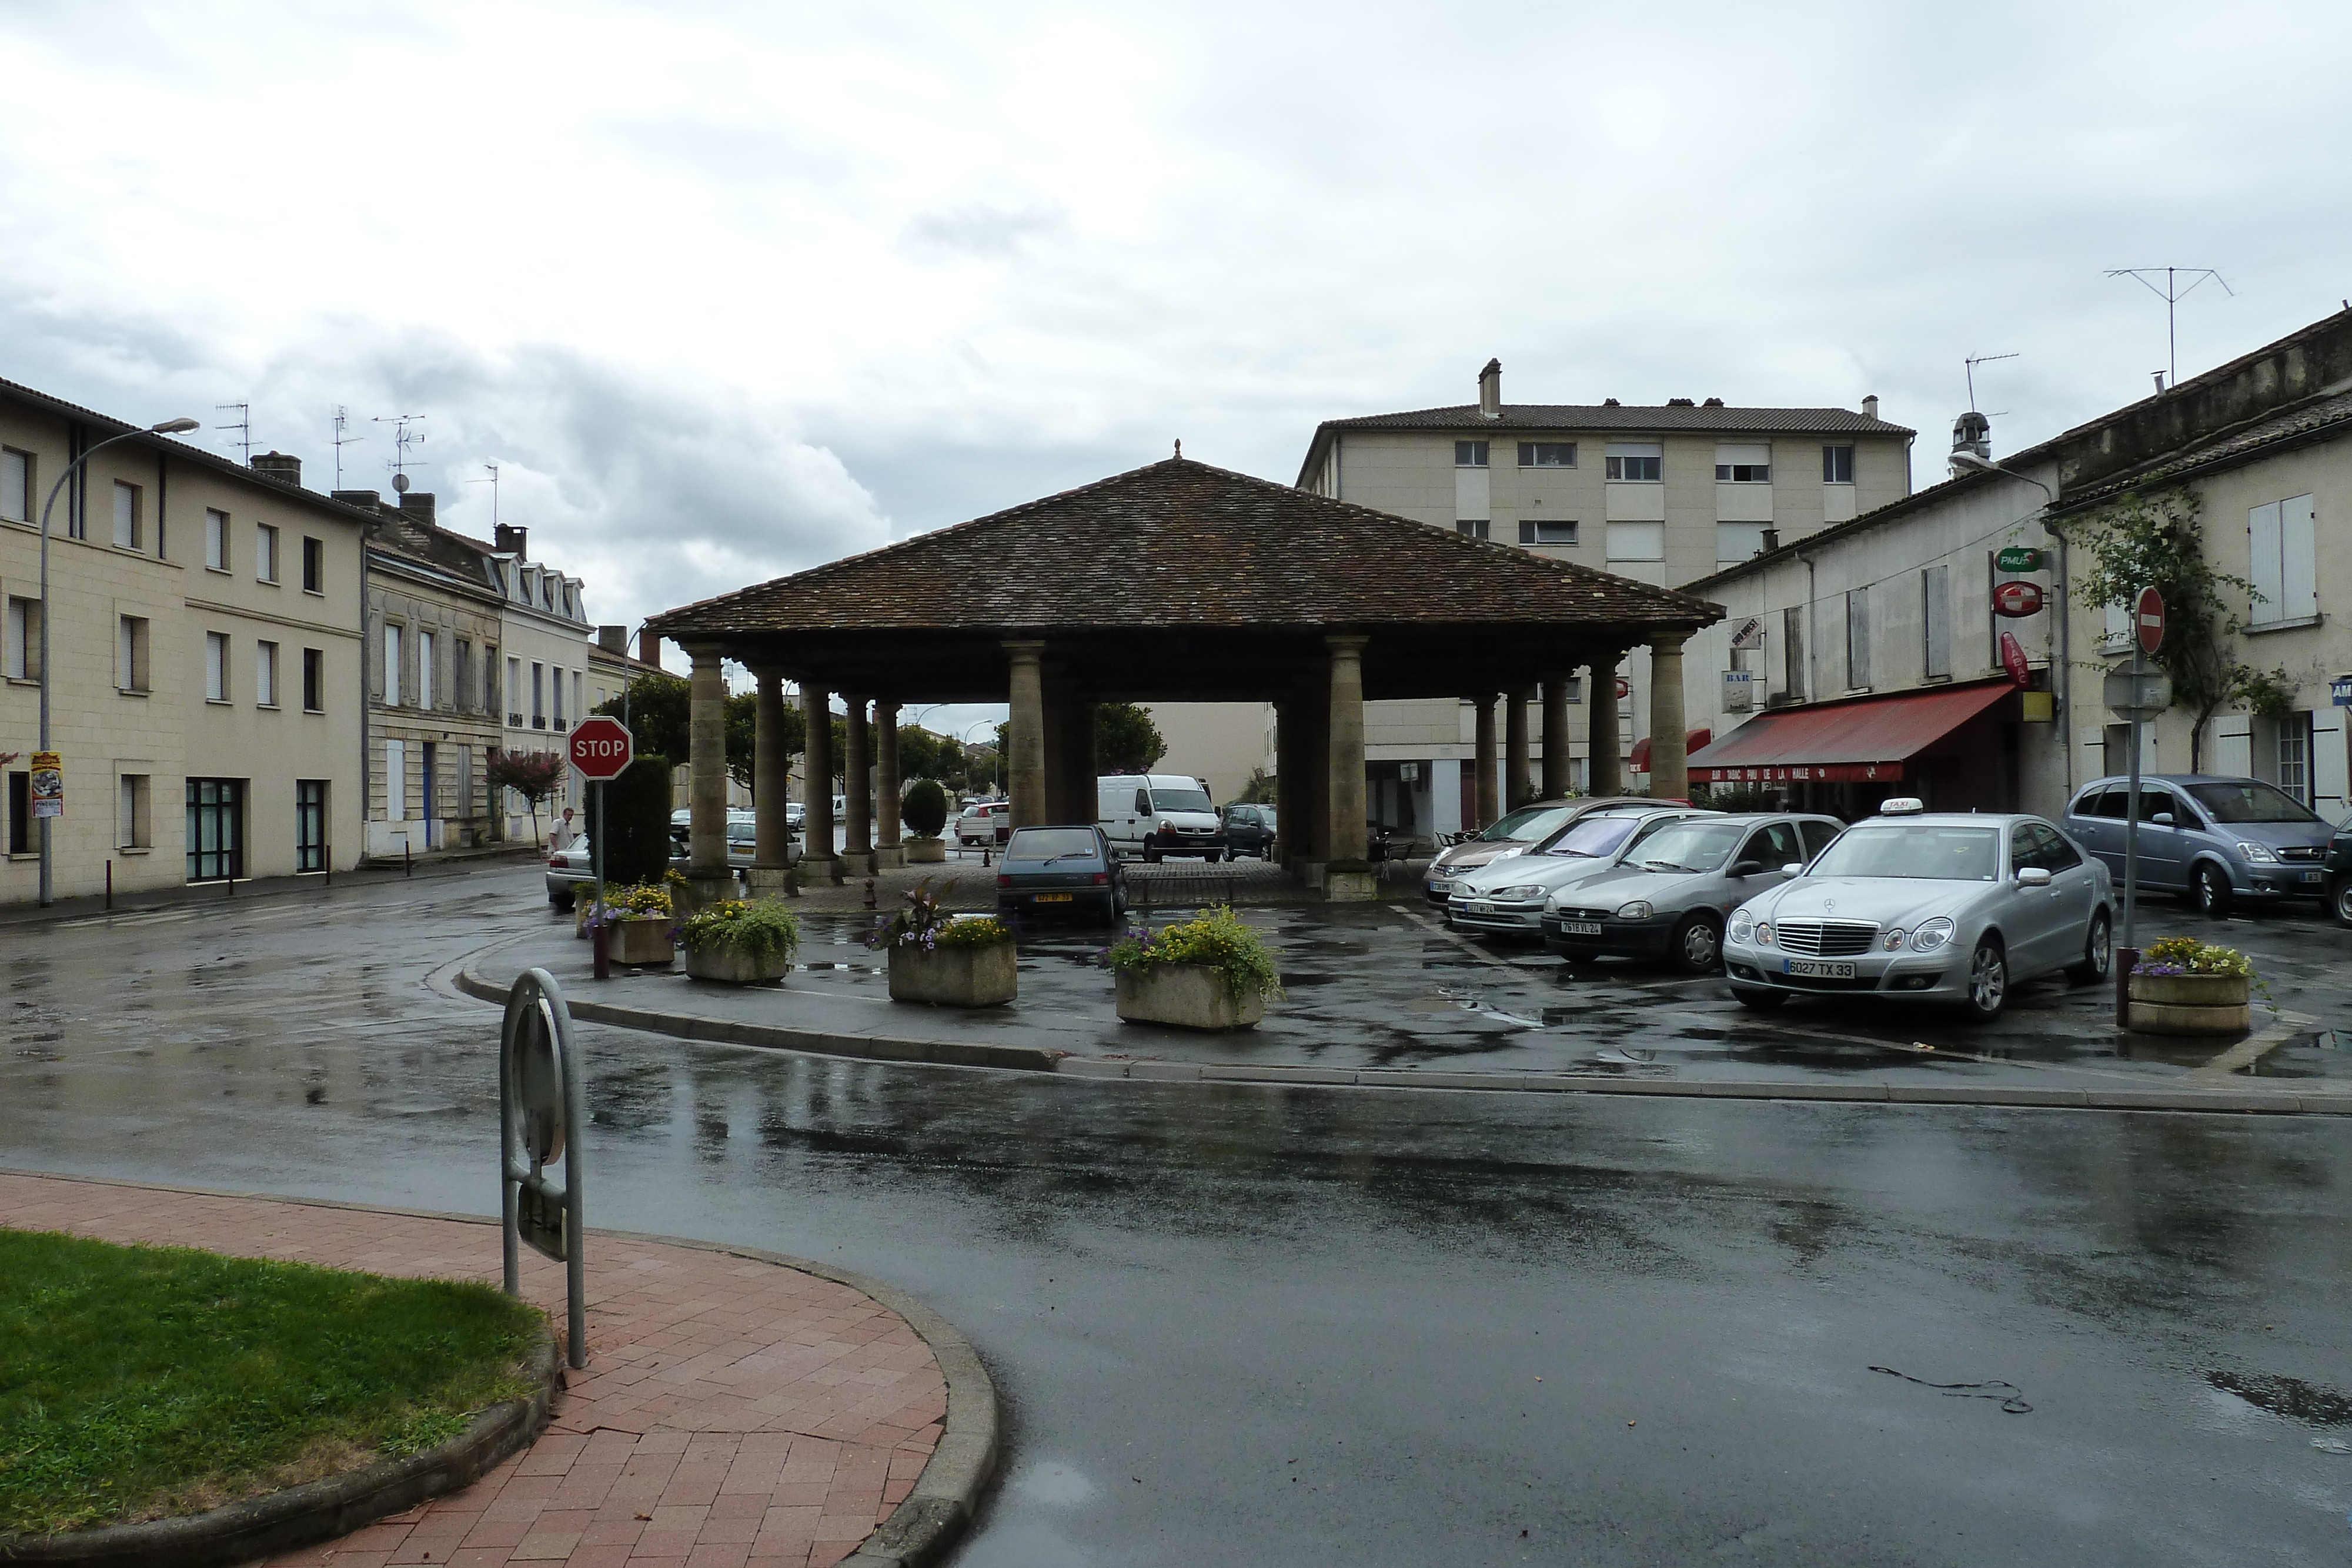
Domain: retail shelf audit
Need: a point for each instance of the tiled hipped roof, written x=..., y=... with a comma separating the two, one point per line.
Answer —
x=1181, y=544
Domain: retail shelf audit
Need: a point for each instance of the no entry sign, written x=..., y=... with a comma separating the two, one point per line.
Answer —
x=2147, y=620
x=602, y=746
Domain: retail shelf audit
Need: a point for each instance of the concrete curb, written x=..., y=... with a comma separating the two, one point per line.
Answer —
x=919, y=1530
x=1027, y=1058
x=317, y=1510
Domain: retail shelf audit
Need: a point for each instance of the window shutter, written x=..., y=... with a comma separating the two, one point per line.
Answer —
x=2298, y=560
x=2262, y=541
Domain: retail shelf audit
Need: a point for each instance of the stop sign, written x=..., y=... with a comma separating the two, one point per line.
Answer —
x=602, y=746
x=2147, y=620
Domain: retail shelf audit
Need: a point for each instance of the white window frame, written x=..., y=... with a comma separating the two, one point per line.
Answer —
x=1735, y=462
x=264, y=674
x=216, y=666
x=1470, y=454
x=2283, y=550
x=426, y=646
x=134, y=800
x=1546, y=454
x=1556, y=532
x=21, y=658
x=15, y=485
x=1834, y=457
x=133, y=654
x=392, y=661
x=127, y=530
x=216, y=540
x=265, y=552
x=1618, y=453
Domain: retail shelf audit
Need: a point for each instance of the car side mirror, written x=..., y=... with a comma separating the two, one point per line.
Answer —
x=2033, y=876
x=2162, y=819
x=1746, y=868
x=1794, y=868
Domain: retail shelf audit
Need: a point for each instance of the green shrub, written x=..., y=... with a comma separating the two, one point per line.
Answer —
x=925, y=924
x=925, y=810
x=971, y=931
x=764, y=929
x=636, y=822
x=1218, y=938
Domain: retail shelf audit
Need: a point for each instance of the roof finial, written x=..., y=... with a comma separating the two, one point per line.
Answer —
x=1180, y=446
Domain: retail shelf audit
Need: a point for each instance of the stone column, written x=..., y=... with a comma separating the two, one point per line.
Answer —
x=1054, y=702
x=1344, y=743
x=1669, y=778
x=1604, y=770
x=1024, y=770
x=889, y=845
x=706, y=861
x=816, y=781
x=771, y=872
x=1287, y=764
x=1312, y=790
x=1483, y=787
x=1556, y=770
x=1081, y=802
x=1515, y=776
x=858, y=807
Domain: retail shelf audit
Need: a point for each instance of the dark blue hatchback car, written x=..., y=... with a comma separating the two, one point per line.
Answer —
x=1060, y=871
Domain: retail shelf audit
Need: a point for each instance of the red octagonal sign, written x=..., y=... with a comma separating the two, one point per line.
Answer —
x=602, y=746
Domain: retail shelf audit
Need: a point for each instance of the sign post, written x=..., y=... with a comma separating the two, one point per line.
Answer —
x=2148, y=636
x=601, y=746
x=540, y=1121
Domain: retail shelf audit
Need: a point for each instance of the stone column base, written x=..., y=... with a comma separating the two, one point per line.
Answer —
x=1350, y=886
x=701, y=891
x=858, y=862
x=889, y=857
x=821, y=868
x=772, y=881
x=1309, y=872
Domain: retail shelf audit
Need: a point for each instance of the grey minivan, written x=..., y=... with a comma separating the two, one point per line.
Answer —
x=2214, y=839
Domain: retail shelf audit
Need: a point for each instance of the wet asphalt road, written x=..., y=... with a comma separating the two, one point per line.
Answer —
x=1241, y=1325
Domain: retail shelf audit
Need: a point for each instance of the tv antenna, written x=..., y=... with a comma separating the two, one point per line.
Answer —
x=343, y=424
x=2172, y=294
x=243, y=426
x=402, y=438
x=493, y=483
x=1971, y=364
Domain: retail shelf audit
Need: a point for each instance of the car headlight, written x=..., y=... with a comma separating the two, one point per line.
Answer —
x=1763, y=934
x=1931, y=935
x=1743, y=926
x=1893, y=940
x=1637, y=910
x=1527, y=890
x=2261, y=855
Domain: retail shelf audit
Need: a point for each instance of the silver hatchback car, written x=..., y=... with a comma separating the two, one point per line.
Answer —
x=1947, y=907
x=1673, y=894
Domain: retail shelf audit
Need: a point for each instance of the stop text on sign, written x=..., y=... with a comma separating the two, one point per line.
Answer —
x=602, y=746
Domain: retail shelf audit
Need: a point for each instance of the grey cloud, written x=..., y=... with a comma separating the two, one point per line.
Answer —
x=983, y=230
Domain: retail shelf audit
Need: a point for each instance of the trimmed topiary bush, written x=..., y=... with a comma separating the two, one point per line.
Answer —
x=925, y=810
x=636, y=822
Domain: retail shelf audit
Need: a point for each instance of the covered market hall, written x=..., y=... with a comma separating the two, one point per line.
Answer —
x=1174, y=583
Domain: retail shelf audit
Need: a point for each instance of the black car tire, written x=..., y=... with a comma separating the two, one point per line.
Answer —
x=1759, y=1001
x=563, y=900
x=2340, y=900
x=1696, y=945
x=1151, y=852
x=2098, y=953
x=1987, y=982
x=2209, y=890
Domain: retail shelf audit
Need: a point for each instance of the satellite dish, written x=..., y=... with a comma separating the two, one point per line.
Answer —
x=400, y=483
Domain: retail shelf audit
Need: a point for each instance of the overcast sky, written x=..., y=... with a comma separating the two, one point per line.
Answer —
x=730, y=290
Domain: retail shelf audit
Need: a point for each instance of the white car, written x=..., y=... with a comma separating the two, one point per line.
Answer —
x=983, y=823
x=1507, y=894
x=1939, y=908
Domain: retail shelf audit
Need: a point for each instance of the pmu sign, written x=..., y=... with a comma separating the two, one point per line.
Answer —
x=2017, y=599
x=602, y=746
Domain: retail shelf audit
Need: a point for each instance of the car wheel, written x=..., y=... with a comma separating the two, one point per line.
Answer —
x=1151, y=852
x=2340, y=901
x=1757, y=1001
x=1697, y=948
x=563, y=900
x=2209, y=890
x=2097, y=954
x=1988, y=981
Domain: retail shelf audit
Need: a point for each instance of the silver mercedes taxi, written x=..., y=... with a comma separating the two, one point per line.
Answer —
x=1942, y=908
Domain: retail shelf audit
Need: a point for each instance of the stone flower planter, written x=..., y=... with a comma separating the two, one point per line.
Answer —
x=640, y=939
x=981, y=976
x=714, y=961
x=2191, y=1004
x=926, y=851
x=1350, y=886
x=1190, y=996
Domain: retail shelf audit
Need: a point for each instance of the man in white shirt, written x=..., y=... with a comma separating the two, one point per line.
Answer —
x=564, y=835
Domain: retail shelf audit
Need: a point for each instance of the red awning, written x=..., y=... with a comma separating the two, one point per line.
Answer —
x=1865, y=741
x=1693, y=744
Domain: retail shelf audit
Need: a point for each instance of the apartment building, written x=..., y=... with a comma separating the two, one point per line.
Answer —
x=1662, y=494
x=547, y=637
x=203, y=658
x=1870, y=658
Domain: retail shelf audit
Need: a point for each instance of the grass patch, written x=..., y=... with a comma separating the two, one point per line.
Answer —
x=141, y=1382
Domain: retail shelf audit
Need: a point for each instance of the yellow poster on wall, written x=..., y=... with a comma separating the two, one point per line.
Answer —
x=48, y=784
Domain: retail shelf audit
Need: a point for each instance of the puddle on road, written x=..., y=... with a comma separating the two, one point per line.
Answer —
x=2310, y=1402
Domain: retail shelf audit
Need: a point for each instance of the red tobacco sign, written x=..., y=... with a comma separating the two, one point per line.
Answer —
x=2017, y=599
x=2012, y=657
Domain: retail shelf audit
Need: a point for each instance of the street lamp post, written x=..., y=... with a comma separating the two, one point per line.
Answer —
x=2064, y=669
x=169, y=427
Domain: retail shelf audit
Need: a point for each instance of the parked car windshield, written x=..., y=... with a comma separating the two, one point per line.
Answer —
x=1528, y=824
x=1595, y=836
x=1180, y=801
x=1690, y=846
x=1049, y=843
x=2250, y=800
x=1942, y=854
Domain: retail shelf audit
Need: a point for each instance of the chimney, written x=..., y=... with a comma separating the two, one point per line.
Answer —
x=1490, y=390
x=1772, y=540
x=649, y=647
x=1609, y=403
x=613, y=640
x=512, y=541
x=1680, y=403
x=1712, y=403
x=1972, y=431
x=1870, y=406
x=278, y=466
x=365, y=500
x=416, y=504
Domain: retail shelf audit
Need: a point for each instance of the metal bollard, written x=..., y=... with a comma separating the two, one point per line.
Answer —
x=408, y=861
x=869, y=893
x=109, y=884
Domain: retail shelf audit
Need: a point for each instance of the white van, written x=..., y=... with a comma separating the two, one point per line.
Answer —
x=1159, y=815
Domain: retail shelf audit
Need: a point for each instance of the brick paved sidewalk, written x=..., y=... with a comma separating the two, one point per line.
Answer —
x=733, y=1411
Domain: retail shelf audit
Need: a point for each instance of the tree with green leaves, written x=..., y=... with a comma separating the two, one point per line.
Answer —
x=923, y=755
x=636, y=822
x=1259, y=790
x=659, y=710
x=2157, y=539
x=1126, y=740
x=533, y=775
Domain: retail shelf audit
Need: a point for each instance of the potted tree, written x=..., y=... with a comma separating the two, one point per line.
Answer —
x=925, y=813
x=637, y=919
x=2183, y=986
x=742, y=942
x=1211, y=972
x=947, y=960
